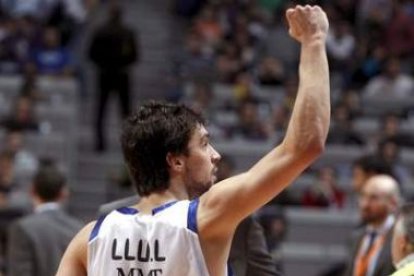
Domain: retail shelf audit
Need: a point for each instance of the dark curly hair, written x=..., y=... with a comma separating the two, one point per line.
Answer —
x=149, y=134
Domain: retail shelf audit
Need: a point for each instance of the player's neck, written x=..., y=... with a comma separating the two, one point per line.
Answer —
x=148, y=203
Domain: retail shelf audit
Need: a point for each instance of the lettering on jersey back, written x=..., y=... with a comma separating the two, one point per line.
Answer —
x=139, y=272
x=142, y=251
x=145, y=251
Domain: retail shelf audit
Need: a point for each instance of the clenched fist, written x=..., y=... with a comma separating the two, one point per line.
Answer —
x=307, y=23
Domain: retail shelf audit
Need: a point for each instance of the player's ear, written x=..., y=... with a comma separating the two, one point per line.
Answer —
x=175, y=162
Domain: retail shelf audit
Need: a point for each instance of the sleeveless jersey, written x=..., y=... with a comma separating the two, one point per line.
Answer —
x=127, y=243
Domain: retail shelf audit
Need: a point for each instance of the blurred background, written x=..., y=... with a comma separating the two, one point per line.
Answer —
x=71, y=70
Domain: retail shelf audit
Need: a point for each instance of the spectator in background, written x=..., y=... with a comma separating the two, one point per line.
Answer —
x=325, y=193
x=113, y=50
x=400, y=32
x=208, y=26
x=22, y=116
x=373, y=16
x=403, y=242
x=8, y=47
x=371, y=248
x=19, y=38
x=340, y=44
x=280, y=118
x=51, y=57
x=228, y=63
x=25, y=164
x=368, y=63
x=37, y=242
x=365, y=167
x=6, y=178
x=351, y=100
x=202, y=98
x=392, y=83
x=270, y=71
x=391, y=130
x=278, y=44
x=243, y=87
x=341, y=129
x=194, y=62
x=10, y=194
x=249, y=125
x=389, y=152
x=29, y=86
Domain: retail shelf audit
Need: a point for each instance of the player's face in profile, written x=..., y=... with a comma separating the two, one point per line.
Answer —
x=201, y=163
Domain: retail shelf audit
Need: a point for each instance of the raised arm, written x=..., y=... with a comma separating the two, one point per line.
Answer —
x=227, y=203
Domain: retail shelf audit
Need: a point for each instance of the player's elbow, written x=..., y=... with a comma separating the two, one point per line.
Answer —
x=315, y=148
x=308, y=151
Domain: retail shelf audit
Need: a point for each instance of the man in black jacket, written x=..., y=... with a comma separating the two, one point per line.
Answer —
x=113, y=49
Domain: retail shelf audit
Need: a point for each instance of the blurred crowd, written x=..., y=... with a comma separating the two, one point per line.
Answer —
x=38, y=39
x=238, y=66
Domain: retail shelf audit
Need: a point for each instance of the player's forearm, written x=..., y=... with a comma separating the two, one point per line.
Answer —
x=309, y=124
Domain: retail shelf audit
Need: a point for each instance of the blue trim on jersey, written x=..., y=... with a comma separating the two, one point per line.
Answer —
x=127, y=211
x=96, y=228
x=192, y=215
x=229, y=270
x=162, y=207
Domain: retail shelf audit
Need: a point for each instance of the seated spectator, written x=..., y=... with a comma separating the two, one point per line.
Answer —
x=340, y=44
x=369, y=63
x=228, y=63
x=392, y=83
x=389, y=152
x=270, y=72
x=9, y=58
x=352, y=101
x=22, y=116
x=341, y=128
x=365, y=167
x=280, y=118
x=18, y=8
x=325, y=193
x=51, y=58
x=193, y=62
x=201, y=98
x=400, y=32
x=208, y=26
x=244, y=86
x=25, y=164
x=249, y=125
x=390, y=130
x=10, y=195
x=245, y=42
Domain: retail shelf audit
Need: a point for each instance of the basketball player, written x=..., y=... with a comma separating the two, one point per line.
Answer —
x=183, y=225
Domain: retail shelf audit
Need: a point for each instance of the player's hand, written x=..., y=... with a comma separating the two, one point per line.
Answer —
x=307, y=23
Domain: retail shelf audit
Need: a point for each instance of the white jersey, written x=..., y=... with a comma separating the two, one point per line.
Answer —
x=127, y=243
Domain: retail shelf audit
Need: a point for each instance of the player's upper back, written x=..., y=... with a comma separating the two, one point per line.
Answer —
x=126, y=242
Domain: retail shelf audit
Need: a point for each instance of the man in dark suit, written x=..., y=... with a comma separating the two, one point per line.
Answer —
x=371, y=249
x=37, y=242
x=248, y=255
